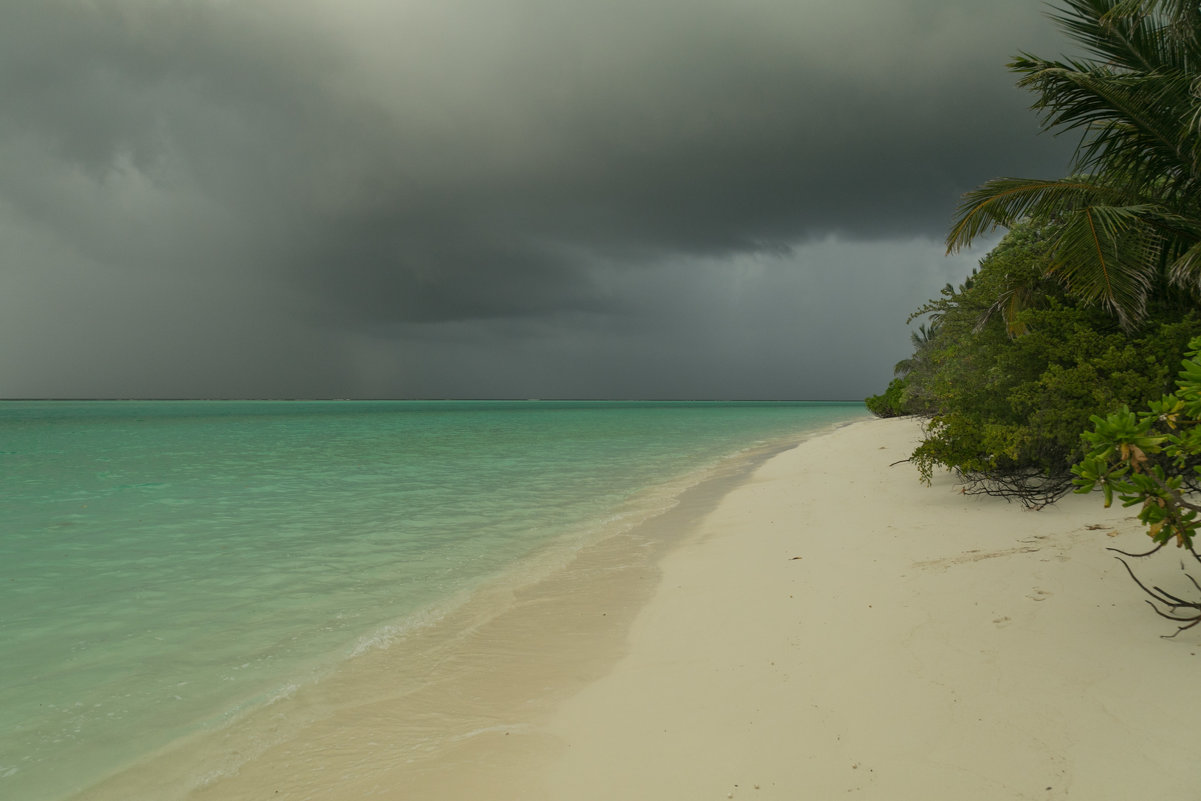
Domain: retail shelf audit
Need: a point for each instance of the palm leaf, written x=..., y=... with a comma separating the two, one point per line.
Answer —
x=1108, y=255
x=1133, y=34
x=1134, y=217
x=1185, y=269
x=1126, y=131
x=1002, y=202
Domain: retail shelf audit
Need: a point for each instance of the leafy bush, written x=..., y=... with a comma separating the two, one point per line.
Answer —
x=1015, y=368
x=891, y=403
x=1153, y=460
x=1015, y=409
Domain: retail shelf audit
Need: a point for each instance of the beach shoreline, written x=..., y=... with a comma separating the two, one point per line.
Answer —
x=837, y=630
x=820, y=626
x=423, y=710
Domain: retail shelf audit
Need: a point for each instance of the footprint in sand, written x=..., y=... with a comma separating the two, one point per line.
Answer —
x=1002, y=622
x=1039, y=595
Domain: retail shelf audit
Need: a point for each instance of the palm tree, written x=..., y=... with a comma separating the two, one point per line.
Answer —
x=1127, y=223
x=922, y=340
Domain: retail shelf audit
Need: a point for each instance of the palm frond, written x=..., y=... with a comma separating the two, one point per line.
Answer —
x=1122, y=115
x=1185, y=269
x=903, y=368
x=1177, y=20
x=1118, y=32
x=1002, y=202
x=1134, y=217
x=1107, y=255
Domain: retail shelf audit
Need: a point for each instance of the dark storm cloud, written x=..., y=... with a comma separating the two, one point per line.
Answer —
x=288, y=189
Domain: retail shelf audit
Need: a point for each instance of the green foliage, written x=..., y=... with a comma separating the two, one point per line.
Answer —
x=1147, y=459
x=1017, y=366
x=1130, y=217
x=1082, y=310
x=891, y=403
x=1152, y=460
x=1089, y=299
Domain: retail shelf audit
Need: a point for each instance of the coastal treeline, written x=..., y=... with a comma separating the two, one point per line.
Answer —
x=1090, y=299
x=1009, y=367
x=1027, y=371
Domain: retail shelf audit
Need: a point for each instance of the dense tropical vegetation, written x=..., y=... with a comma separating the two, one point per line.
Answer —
x=1011, y=366
x=1127, y=223
x=1083, y=309
x=1088, y=301
x=1153, y=460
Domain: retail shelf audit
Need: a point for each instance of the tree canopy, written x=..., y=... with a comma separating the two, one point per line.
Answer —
x=1127, y=221
x=1012, y=366
x=1081, y=312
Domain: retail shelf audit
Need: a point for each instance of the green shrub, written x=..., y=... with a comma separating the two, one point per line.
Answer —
x=891, y=403
x=1015, y=367
x=1153, y=460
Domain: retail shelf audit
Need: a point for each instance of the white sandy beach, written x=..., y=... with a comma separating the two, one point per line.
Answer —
x=925, y=645
x=827, y=629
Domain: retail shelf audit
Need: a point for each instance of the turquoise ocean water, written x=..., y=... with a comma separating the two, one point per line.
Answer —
x=168, y=566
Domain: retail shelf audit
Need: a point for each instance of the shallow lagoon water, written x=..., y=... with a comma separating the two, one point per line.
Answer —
x=166, y=566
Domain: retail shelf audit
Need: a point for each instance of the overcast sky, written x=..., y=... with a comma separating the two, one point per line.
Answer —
x=492, y=198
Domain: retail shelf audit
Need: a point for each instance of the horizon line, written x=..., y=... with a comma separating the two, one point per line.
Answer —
x=431, y=399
